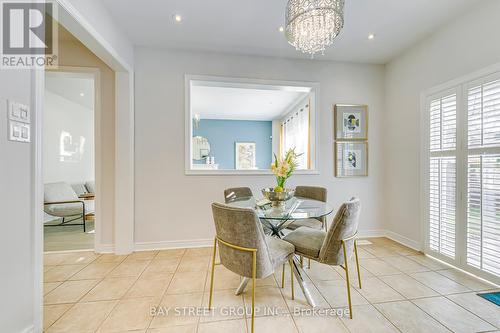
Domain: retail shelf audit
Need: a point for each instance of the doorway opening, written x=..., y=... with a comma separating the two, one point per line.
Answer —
x=69, y=160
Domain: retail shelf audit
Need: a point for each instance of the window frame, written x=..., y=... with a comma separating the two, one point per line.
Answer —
x=314, y=123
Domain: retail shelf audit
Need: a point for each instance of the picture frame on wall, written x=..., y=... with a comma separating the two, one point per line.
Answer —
x=245, y=155
x=350, y=122
x=351, y=159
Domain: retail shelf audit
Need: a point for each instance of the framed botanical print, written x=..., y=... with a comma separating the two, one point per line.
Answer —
x=351, y=159
x=351, y=122
x=245, y=155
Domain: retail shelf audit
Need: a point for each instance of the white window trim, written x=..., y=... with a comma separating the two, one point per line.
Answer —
x=460, y=87
x=315, y=100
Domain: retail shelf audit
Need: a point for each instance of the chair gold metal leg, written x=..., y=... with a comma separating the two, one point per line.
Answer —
x=283, y=277
x=291, y=278
x=357, y=262
x=212, y=276
x=347, y=279
x=301, y=262
x=254, y=273
x=308, y=263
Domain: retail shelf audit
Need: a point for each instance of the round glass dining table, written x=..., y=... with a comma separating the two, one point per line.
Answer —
x=275, y=219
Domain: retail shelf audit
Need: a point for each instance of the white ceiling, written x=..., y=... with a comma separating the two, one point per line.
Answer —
x=250, y=26
x=212, y=102
x=70, y=86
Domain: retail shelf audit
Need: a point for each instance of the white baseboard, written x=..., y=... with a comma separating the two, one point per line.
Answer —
x=105, y=248
x=68, y=251
x=29, y=329
x=413, y=244
x=371, y=233
x=193, y=243
x=165, y=245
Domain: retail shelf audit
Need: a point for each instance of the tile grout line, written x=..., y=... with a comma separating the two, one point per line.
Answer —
x=72, y=304
x=451, y=300
x=314, y=282
x=430, y=315
x=121, y=298
x=284, y=300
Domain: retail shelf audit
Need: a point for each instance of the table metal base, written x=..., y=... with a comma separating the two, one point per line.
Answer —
x=300, y=278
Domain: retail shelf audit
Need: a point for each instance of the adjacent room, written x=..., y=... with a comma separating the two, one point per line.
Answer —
x=68, y=161
x=253, y=166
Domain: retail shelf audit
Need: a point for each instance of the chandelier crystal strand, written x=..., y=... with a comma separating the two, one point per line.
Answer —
x=312, y=25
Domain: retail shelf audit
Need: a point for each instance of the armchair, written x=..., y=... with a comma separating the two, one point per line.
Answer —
x=60, y=200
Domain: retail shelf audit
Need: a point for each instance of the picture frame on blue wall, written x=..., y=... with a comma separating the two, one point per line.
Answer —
x=245, y=155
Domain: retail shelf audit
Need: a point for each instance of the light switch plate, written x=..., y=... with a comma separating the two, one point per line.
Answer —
x=18, y=112
x=19, y=131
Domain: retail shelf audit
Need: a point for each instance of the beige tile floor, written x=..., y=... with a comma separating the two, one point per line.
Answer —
x=403, y=291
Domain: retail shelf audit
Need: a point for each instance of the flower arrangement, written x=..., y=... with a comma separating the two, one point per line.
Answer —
x=283, y=168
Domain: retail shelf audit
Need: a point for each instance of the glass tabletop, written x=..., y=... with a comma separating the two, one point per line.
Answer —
x=296, y=208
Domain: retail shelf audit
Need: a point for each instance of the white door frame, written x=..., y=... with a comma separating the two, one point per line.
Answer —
x=95, y=73
x=75, y=23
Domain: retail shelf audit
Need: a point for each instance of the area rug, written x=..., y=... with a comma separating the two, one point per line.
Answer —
x=492, y=297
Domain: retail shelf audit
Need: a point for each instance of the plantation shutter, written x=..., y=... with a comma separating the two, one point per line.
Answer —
x=442, y=174
x=483, y=177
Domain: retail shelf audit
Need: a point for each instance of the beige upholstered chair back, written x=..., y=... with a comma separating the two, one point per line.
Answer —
x=241, y=227
x=313, y=192
x=345, y=225
x=231, y=194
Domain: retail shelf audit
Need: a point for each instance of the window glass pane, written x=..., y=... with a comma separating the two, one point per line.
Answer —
x=443, y=123
x=483, y=111
x=483, y=213
x=442, y=205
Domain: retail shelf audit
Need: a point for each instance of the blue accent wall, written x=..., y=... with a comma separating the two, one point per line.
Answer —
x=223, y=134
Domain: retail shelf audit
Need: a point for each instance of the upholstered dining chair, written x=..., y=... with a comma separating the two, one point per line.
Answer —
x=233, y=193
x=315, y=193
x=334, y=247
x=244, y=249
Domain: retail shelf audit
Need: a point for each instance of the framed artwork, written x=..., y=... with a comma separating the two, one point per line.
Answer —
x=245, y=155
x=351, y=122
x=351, y=159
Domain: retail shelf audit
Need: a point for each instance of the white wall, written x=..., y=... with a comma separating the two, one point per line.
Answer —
x=467, y=44
x=171, y=206
x=62, y=115
x=94, y=16
x=16, y=238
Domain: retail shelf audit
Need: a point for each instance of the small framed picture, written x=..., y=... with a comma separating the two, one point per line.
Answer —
x=351, y=122
x=351, y=159
x=245, y=155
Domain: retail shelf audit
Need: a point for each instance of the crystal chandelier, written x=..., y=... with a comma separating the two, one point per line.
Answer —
x=312, y=25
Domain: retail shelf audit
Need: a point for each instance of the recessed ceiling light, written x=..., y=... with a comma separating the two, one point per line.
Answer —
x=82, y=94
x=281, y=29
x=177, y=18
x=371, y=36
